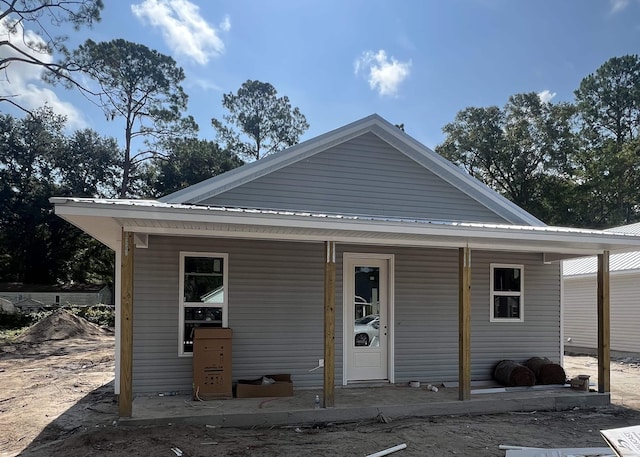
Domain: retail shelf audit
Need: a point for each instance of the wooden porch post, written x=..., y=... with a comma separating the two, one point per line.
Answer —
x=464, y=323
x=125, y=399
x=329, y=323
x=604, y=324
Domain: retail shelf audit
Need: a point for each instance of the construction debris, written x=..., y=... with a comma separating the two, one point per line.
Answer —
x=391, y=450
x=521, y=451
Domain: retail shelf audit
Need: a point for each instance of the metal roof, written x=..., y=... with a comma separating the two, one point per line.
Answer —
x=625, y=261
x=155, y=204
x=104, y=219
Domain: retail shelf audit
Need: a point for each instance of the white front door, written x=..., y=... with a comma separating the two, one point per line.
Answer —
x=366, y=318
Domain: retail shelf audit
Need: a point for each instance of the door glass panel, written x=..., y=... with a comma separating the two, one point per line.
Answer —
x=366, y=307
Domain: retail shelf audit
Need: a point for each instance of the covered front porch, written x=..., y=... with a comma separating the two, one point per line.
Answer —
x=354, y=404
x=127, y=226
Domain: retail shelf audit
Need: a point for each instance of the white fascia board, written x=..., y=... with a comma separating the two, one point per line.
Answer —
x=540, y=239
x=355, y=238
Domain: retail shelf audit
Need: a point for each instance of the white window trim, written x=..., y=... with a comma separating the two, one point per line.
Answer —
x=224, y=305
x=494, y=293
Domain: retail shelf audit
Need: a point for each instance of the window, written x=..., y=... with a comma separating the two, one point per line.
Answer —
x=203, y=295
x=507, y=298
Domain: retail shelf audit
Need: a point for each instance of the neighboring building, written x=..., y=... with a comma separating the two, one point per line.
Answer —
x=580, y=314
x=58, y=294
x=29, y=305
x=6, y=306
x=363, y=219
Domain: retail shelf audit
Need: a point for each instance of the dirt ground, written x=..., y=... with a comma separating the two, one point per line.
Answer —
x=56, y=398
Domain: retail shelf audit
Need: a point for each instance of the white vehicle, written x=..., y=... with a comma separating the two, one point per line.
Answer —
x=367, y=330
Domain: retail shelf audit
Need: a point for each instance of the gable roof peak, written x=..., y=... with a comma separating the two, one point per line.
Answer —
x=386, y=131
x=225, y=181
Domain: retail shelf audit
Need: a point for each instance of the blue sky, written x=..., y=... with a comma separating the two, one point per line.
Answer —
x=413, y=62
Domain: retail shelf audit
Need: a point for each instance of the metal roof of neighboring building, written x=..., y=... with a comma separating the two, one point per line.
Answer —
x=65, y=288
x=626, y=261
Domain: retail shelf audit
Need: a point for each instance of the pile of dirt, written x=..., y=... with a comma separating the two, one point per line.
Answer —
x=60, y=325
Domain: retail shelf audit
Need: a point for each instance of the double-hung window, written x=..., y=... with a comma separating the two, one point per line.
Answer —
x=203, y=295
x=507, y=293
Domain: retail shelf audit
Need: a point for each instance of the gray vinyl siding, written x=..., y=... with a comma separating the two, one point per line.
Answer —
x=580, y=316
x=362, y=176
x=580, y=312
x=537, y=336
x=276, y=312
x=426, y=315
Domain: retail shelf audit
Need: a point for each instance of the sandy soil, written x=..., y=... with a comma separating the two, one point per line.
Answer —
x=56, y=399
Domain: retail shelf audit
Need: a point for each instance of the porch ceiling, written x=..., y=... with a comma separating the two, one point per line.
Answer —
x=104, y=220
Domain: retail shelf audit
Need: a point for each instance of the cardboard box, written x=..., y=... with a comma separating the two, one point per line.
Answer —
x=212, y=363
x=580, y=382
x=282, y=387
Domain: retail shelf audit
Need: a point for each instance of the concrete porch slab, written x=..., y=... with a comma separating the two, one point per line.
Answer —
x=352, y=404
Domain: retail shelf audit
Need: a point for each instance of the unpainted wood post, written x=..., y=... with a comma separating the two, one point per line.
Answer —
x=604, y=324
x=125, y=400
x=464, y=323
x=329, y=323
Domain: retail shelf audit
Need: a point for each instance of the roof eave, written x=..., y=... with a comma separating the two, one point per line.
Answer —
x=105, y=222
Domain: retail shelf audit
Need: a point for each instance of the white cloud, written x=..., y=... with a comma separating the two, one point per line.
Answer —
x=183, y=28
x=618, y=5
x=225, y=25
x=204, y=84
x=385, y=74
x=546, y=95
x=23, y=82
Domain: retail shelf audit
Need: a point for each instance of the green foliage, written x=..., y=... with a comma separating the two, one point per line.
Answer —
x=13, y=325
x=37, y=161
x=520, y=150
x=568, y=164
x=609, y=101
x=102, y=315
x=141, y=86
x=16, y=321
x=97, y=176
x=189, y=161
x=29, y=28
x=608, y=161
x=259, y=122
x=8, y=336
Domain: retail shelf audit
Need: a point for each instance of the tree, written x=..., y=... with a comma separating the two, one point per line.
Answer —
x=520, y=150
x=609, y=100
x=26, y=173
x=36, y=246
x=82, y=178
x=143, y=87
x=188, y=162
x=28, y=39
x=259, y=122
x=608, y=162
